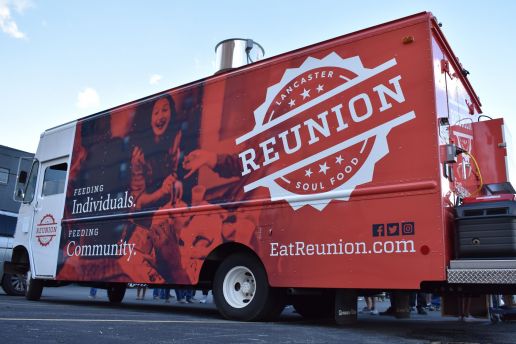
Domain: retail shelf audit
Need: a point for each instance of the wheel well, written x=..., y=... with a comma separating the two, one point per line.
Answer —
x=20, y=257
x=212, y=262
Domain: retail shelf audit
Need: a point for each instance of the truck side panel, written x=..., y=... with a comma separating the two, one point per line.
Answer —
x=324, y=162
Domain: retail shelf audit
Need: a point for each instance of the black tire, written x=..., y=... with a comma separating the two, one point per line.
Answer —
x=116, y=292
x=34, y=288
x=241, y=273
x=14, y=285
x=315, y=306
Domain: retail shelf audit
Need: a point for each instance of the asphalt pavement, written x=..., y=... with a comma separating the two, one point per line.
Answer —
x=68, y=315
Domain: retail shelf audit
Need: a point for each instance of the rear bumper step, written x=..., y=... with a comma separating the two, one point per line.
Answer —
x=482, y=271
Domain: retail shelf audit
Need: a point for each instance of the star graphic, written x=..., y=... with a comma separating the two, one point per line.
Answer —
x=306, y=93
x=320, y=88
x=323, y=168
x=339, y=159
x=308, y=173
x=292, y=102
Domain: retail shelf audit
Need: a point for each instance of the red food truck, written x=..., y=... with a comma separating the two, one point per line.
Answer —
x=357, y=164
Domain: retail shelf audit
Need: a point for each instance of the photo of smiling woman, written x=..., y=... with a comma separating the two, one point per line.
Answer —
x=155, y=185
x=155, y=158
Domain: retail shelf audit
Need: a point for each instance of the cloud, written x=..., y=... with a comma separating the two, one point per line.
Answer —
x=22, y=5
x=88, y=99
x=154, y=79
x=7, y=23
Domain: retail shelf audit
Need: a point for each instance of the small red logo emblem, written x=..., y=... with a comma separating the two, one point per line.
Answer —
x=46, y=230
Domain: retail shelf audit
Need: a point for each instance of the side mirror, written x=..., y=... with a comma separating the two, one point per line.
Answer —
x=20, y=195
x=25, y=178
x=19, y=191
x=22, y=178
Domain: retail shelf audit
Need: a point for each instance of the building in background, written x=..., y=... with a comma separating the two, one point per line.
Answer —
x=9, y=159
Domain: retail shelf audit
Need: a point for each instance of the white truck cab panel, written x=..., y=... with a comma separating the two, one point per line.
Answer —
x=39, y=221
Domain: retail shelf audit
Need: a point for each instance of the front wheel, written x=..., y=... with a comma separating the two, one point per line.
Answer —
x=116, y=292
x=14, y=284
x=241, y=290
x=34, y=288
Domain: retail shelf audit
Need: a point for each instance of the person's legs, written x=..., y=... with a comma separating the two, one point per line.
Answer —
x=372, y=306
x=464, y=307
x=181, y=297
x=367, y=307
x=421, y=303
x=467, y=306
x=167, y=295
x=412, y=301
x=392, y=307
x=204, y=296
x=369, y=302
x=190, y=296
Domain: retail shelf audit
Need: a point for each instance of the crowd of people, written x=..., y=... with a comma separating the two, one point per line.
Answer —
x=418, y=302
x=183, y=295
x=466, y=307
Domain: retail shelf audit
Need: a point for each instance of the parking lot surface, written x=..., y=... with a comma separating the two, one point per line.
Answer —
x=67, y=315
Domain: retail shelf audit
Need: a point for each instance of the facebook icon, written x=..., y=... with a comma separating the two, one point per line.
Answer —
x=378, y=230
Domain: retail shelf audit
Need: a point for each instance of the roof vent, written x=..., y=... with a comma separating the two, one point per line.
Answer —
x=237, y=52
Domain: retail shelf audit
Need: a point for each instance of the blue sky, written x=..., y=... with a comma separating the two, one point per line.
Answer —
x=61, y=60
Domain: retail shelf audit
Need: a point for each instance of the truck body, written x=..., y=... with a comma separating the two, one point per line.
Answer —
x=337, y=166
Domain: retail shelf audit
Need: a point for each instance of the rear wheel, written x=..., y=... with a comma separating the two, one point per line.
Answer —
x=116, y=292
x=14, y=284
x=241, y=290
x=34, y=288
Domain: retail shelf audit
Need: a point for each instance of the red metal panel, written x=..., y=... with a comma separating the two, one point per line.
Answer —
x=489, y=150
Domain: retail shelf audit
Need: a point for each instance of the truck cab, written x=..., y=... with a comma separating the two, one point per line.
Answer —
x=40, y=190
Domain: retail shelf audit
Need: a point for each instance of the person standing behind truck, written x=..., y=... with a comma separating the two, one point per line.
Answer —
x=140, y=291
